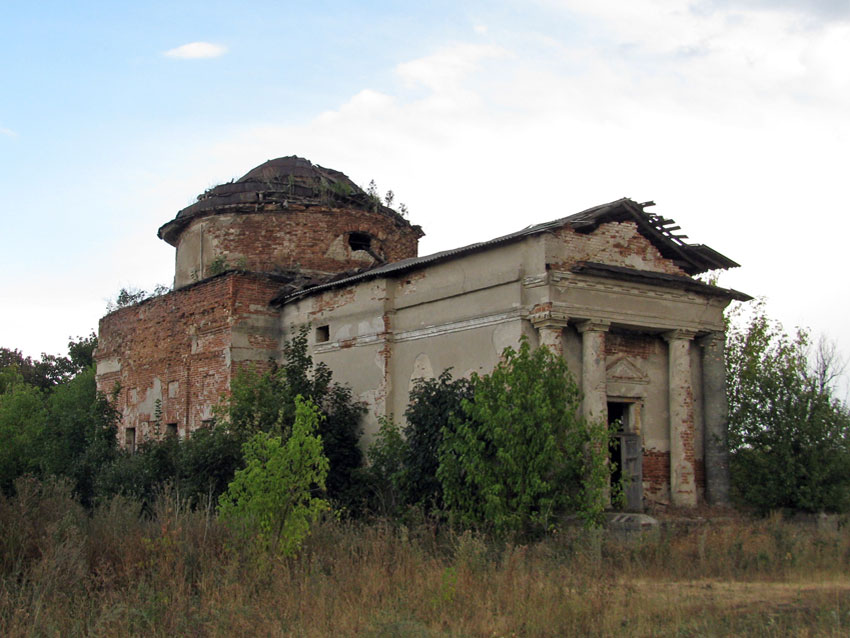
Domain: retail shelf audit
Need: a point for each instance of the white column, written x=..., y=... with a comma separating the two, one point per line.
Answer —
x=715, y=418
x=593, y=378
x=550, y=326
x=683, y=490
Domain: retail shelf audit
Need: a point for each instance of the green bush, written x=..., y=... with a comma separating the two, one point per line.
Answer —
x=264, y=401
x=272, y=498
x=435, y=404
x=22, y=422
x=520, y=454
x=198, y=468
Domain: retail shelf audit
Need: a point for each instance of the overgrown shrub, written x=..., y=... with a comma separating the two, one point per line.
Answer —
x=273, y=498
x=198, y=467
x=264, y=401
x=520, y=454
x=435, y=405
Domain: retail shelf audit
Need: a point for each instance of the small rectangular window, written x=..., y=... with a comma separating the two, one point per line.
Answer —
x=323, y=334
x=170, y=429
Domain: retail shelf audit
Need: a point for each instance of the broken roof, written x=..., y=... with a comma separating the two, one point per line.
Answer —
x=691, y=258
x=275, y=185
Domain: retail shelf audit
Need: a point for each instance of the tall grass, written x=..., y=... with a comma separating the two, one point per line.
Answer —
x=121, y=571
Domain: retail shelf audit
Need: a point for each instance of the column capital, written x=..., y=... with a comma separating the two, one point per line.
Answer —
x=713, y=339
x=679, y=335
x=549, y=318
x=593, y=325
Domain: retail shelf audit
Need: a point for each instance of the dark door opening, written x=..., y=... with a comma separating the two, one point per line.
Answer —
x=616, y=414
x=626, y=455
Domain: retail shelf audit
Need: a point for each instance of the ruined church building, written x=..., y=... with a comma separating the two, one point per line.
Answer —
x=293, y=244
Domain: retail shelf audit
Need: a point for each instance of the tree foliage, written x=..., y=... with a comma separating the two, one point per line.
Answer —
x=198, y=468
x=264, y=401
x=789, y=436
x=403, y=460
x=50, y=370
x=435, y=405
x=79, y=439
x=520, y=453
x=131, y=295
x=53, y=422
x=22, y=422
x=273, y=496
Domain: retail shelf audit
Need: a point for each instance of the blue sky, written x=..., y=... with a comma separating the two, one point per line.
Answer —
x=483, y=117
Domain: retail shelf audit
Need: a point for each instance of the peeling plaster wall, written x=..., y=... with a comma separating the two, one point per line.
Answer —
x=460, y=314
x=384, y=333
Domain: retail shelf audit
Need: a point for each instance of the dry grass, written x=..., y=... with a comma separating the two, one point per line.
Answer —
x=63, y=573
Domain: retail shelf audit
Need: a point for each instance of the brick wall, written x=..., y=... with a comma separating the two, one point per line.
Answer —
x=615, y=244
x=308, y=238
x=632, y=345
x=175, y=352
x=656, y=473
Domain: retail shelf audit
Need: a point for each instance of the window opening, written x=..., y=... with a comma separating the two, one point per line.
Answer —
x=170, y=429
x=323, y=334
x=359, y=241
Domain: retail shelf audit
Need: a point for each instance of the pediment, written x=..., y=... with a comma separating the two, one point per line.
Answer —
x=625, y=370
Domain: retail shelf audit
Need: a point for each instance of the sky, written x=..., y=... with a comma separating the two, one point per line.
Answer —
x=482, y=117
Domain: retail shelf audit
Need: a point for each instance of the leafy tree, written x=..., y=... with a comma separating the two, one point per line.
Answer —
x=273, y=496
x=521, y=454
x=50, y=370
x=81, y=352
x=79, y=439
x=435, y=404
x=384, y=478
x=265, y=402
x=52, y=421
x=403, y=462
x=22, y=422
x=789, y=436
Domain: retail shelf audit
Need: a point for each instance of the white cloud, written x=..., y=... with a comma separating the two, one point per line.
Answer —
x=445, y=69
x=196, y=51
x=7, y=132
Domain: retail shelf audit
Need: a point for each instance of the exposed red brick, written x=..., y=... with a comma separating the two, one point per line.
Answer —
x=656, y=471
x=616, y=244
x=178, y=348
x=640, y=346
x=310, y=239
